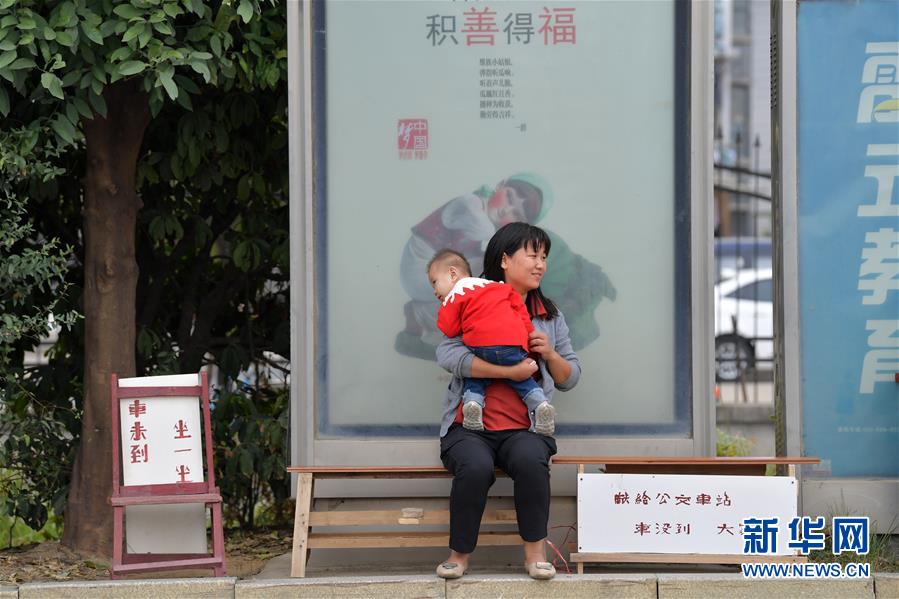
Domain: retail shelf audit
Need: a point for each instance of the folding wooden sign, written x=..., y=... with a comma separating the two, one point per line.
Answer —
x=161, y=438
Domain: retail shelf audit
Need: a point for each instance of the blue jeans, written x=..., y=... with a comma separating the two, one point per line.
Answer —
x=503, y=355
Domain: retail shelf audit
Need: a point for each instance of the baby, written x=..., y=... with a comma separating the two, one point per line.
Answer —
x=494, y=324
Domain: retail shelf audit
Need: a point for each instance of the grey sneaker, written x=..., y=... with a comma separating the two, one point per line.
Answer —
x=544, y=419
x=472, y=416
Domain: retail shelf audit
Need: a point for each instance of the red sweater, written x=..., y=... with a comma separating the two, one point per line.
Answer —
x=485, y=313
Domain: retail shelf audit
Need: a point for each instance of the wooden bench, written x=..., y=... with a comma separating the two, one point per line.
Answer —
x=739, y=466
x=305, y=517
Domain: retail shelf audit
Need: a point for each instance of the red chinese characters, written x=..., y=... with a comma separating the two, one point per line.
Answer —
x=412, y=139
x=480, y=27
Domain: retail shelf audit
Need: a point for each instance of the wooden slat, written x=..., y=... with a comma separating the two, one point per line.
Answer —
x=391, y=517
x=710, y=469
x=169, y=565
x=322, y=472
x=163, y=392
x=399, y=539
x=163, y=499
x=680, y=558
x=682, y=460
x=301, y=525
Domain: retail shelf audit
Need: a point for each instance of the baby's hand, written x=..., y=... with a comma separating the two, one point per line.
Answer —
x=523, y=369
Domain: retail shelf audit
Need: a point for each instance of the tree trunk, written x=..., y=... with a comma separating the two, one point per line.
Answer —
x=111, y=205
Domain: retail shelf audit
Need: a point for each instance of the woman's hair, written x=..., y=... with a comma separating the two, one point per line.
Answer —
x=507, y=240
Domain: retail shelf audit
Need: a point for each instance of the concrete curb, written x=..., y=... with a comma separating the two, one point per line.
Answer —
x=563, y=585
x=362, y=586
x=734, y=586
x=645, y=586
x=211, y=588
x=886, y=585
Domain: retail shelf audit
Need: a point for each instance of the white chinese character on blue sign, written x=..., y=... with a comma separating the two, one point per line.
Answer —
x=760, y=535
x=850, y=535
x=810, y=531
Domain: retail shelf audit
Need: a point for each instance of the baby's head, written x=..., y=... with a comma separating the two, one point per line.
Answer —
x=445, y=269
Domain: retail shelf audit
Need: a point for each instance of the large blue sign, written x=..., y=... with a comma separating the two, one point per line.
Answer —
x=848, y=113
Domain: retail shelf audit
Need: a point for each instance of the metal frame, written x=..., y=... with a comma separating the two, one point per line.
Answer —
x=305, y=450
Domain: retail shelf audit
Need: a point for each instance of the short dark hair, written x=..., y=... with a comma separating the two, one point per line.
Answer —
x=450, y=257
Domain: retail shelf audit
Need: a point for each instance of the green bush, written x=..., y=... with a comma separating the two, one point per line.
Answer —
x=249, y=426
x=732, y=445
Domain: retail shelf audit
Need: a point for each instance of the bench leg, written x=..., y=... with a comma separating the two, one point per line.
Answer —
x=301, y=526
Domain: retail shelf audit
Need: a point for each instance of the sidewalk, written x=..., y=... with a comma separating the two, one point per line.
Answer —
x=408, y=573
x=647, y=586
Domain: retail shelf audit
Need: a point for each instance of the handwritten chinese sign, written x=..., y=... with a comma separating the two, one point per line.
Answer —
x=161, y=441
x=644, y=513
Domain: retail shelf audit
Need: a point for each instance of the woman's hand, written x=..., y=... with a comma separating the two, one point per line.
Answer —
x=559, y=368
x=523, y=370
x=538, y=343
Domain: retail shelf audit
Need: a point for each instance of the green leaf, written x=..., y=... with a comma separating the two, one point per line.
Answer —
x=6, y=58
x=65, y=38
x=200, y=67
x=82, y=107
x=27, y=23
x=216, y=44
x=4, y=101
x=127, y=11
x=99, y=103
x=133, y=31
x=72, y=112
x=145, y=35
x=164, y=28
x=166, y=78
x=172, y=9
x=132, y=67
x=92, y=33
x=63, y=129
x=22, y=63
x=187, y=84
x=120, y=54
x=49, y=34
x=245, y=10
x=71, y=78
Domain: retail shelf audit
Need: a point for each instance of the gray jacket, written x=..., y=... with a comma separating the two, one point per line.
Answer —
x=454, y=357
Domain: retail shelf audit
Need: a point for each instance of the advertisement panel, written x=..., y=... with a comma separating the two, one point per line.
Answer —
x=848, y=162
x=436, y=122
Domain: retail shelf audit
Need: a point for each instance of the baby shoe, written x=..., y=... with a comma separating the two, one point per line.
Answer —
x=472, y=416
x=545, y=420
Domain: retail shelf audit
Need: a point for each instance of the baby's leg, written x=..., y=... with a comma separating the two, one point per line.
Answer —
x=473, y=391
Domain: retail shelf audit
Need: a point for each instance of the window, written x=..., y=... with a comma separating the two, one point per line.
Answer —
x=759, y=291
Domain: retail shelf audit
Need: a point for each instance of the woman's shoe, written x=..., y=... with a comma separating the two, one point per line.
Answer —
x=450, y=570
x=540, y=570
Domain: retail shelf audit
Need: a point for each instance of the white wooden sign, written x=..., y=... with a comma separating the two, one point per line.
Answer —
x=162, y=444
x=650, y=513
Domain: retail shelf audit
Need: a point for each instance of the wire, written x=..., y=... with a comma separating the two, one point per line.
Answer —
x=570, y=528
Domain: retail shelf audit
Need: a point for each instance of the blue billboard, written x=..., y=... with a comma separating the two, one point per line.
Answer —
x=848, y=160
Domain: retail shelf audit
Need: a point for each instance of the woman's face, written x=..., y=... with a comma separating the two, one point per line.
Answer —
x=525, y=268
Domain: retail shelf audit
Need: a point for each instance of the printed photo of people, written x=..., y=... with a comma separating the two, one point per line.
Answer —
x=465, y=224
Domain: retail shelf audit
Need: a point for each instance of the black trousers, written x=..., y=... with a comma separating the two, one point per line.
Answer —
x=471, y=457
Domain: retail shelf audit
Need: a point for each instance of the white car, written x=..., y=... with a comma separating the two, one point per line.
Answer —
x=744, y=323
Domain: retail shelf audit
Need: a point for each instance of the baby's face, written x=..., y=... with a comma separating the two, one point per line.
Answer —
x=506, y=206
x=442, y=279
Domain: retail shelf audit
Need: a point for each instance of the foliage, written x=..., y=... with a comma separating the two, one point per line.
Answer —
x=250, y=427
x=732, y=445
x=64, y=54
x=31, y=278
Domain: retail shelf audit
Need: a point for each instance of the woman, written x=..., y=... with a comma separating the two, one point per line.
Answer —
x=516, y=254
